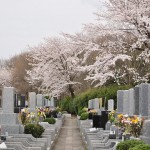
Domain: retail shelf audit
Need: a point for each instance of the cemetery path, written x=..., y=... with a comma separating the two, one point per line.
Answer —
x=69, y=137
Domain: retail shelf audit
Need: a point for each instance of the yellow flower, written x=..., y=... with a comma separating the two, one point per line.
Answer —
x=120, y=116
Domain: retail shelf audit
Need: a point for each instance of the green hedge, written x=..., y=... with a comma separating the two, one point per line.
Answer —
x=80, y=101
x=50, y=120
x=35, y=129
x=84, y=116
x=141, y=147
x=127, y=145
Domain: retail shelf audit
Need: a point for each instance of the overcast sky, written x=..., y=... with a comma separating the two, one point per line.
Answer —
x=27, y=22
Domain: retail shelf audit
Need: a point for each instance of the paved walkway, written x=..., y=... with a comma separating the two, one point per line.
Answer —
x=69, y=137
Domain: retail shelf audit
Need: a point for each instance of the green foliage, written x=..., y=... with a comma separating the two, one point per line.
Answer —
x=35, y=129
x=80, y=101
x=109, y=92
x=67, y=105
x=141, y=147
x=81, y=111
x=84, y=116
x=50, y=120
x=126, y=145
x=58, y=109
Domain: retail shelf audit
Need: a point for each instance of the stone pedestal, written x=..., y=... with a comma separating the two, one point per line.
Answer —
x=146, y=132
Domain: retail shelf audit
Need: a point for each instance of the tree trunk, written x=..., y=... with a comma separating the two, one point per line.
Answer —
x=71, y=90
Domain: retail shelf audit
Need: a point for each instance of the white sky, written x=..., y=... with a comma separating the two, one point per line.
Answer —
x=27, y=22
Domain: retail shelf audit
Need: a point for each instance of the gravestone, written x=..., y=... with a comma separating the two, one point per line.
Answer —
x=8, y=119
x=49, y=102
x=32, y=100
x=122, y=102
x=125, y=101
x=45, y=102
x=90, y=104
x=8, y=99
x=100, y=102
x=52, y=102
x=144, y=100
x=136, y=98
x=40, y=100
x=95, y=103
x=131, y=102
x=110, y=105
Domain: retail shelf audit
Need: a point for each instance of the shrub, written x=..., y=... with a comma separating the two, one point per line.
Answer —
x=126, y=145
x=80, y=101
x=84, y=116
x=81, y=111
x=35, y=129
x=141, y=147
x=108, y=92
x=50, y=120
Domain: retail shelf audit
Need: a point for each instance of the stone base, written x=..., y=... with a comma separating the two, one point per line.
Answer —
x=11, y=129
x=10, y=118
x=145, y=139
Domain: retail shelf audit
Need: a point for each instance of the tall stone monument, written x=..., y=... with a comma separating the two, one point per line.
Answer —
x=32, y=101
x=8, y=119
x=131, y=104
x=110, y=105
x=96, y=103
x=90, y=104
x=40, y=100
x=144, y=100
x=122, y=102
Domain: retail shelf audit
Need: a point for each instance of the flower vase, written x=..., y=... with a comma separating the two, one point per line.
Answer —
x=41, y=118
x=21, y=129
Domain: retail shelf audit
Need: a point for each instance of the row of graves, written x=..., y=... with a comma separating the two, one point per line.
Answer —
x=105, y=128
x=16, y=112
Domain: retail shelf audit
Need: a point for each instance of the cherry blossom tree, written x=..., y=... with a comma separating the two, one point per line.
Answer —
x=53, y=67
x=120, y=40
x=5, y=74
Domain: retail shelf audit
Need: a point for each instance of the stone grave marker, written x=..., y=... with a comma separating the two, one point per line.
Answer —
x=136, y=98
x=95, y=103
x=144, y=99
x=125, y=101
x=32, y=101
x=131, y=104
x=90, y=104
x=8, y=99
x=8, y=119
x=52, y=102
x=40, y=100
x=122, y=102
x=110, y=105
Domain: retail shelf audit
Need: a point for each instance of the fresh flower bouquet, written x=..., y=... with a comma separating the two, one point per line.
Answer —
x=41, y=112
x=136, y=125
x=32, y=118
x=111, y=116
x=22, y=116
x=129, y=125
